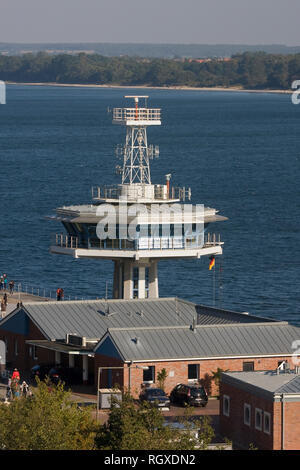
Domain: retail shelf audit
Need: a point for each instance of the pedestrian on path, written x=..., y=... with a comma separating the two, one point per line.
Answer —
x=11, y=286
x=59, y=294
x=8, y=390
x=3, y=308
x=16, y=375
x=25, y=391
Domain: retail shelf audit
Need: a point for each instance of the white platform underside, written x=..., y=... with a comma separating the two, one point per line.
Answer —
x=137, y=255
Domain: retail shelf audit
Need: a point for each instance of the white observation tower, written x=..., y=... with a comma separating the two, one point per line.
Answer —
x=136, y=223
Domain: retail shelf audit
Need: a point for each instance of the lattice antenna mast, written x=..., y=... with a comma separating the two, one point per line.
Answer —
x=136, y=152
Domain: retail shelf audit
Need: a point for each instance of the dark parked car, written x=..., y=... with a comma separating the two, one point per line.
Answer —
x=40, y=371
x=194, y=395
x=155, y=396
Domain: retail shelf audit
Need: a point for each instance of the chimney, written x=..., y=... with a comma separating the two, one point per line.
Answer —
x=193, y=325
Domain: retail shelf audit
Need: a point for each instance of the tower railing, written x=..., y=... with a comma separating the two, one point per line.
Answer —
x=115, y=192
x=145, y=243
x=136, y=114
x=66, y=241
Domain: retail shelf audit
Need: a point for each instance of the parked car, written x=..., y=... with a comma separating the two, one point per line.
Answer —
x=155, y=396
x=69, y=375
x=194, y=395
x=40, y=371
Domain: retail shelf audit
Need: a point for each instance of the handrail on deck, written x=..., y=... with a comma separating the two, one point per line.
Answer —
x=114, y=192
x=145, y=243
x=139, y=114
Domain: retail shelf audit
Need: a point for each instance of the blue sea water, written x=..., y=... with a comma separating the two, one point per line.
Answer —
x=239, y=152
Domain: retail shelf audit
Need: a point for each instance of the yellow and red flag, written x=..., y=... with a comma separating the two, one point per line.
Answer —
x=212, y=262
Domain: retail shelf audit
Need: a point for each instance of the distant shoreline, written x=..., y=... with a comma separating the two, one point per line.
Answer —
x=235, y=89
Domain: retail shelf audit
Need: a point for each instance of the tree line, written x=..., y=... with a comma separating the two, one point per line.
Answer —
x=257, y=70
x=50, y=420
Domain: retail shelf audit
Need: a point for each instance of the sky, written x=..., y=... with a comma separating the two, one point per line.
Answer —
x=152, y=21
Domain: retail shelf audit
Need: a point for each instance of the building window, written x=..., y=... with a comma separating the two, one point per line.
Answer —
x=226, y=405
x=149, y=375
x=267, y=422
x=258, y=419
x=247, y=414
x=193, y=372
x=146, y=282
x=135, y=280
x=248, y=366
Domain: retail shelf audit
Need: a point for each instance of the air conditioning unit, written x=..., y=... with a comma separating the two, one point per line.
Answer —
x=75, y=340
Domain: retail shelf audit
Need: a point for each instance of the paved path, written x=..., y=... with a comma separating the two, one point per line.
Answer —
x=24, y=297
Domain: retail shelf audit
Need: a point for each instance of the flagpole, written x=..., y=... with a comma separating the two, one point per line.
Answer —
x=220, y=284
x=214, y=285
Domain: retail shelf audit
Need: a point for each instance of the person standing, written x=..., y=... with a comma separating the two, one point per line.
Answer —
x=3, y=308
x=11, y=286
x=8, y=390
x=58, y=294
x=16, y=375
x=15, y=388
x=24, y=389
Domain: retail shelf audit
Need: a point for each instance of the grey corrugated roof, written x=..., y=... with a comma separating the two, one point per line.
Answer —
x=87, y=318
x=213, y=316
x=206, y=341
x=265, y=381
x=293, y=386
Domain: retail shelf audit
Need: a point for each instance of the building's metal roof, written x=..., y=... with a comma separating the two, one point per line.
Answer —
x=92, y=318
x=206, y=341
x=265, y=382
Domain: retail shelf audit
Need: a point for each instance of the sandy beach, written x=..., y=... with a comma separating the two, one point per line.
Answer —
x=235, y=89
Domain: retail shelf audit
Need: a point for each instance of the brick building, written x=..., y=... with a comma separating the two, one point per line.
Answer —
x=141, y=337
x=261, y=408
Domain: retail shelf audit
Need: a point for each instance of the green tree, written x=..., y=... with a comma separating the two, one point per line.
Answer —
x=133, y=426
x=161, y=378
x=256, y=70
x=48, y=420
x=216, y=377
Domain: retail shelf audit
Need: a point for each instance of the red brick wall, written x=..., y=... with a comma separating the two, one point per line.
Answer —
x=292, y=425
x=234, y=428
x=180, y=370
x=23, y=361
